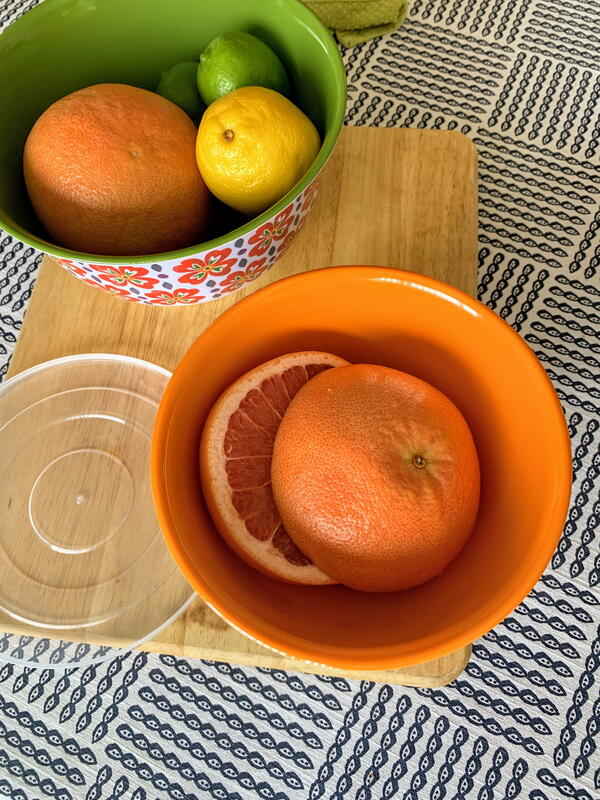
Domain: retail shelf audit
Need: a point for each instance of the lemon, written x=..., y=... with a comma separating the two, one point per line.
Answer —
x=178, y=84
x=253, y=145
x=239, y=59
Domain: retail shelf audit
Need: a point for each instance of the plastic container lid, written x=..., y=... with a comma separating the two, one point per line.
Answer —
x=84, y=571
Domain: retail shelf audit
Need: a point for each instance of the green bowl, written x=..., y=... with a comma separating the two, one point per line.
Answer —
x=64, y=45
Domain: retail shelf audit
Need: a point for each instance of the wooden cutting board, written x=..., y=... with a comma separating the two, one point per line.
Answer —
x=391, y=197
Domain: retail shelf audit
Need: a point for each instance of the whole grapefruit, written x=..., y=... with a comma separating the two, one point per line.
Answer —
x=111, y=170
x=375, y=476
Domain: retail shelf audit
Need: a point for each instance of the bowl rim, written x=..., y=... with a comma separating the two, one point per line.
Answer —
x=372, y=658
x=314, y=23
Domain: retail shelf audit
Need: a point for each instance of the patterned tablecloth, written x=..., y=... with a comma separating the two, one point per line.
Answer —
x=522, y=79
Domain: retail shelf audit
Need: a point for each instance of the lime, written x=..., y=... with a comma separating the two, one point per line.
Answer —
x=239, y=59
x=178, y=84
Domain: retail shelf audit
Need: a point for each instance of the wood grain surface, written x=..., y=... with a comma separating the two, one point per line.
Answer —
x=392, y=197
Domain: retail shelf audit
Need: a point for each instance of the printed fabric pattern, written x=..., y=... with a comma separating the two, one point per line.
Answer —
x=522, y=79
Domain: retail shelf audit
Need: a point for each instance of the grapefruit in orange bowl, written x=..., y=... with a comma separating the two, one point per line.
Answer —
x=425, y=329
x=376, y=477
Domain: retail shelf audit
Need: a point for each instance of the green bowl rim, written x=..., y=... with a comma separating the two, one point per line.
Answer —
x=325, y=151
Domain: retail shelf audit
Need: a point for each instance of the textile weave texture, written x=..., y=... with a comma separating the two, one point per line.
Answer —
x=522, y=79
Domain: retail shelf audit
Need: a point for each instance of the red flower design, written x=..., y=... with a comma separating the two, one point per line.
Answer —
x=255, y=269
x=236, y=280
x=181, y=295
x=122, y=276
x=196, y=269
x=271, y=231
x=286, y=243
x=310, y=195
x=117, y=291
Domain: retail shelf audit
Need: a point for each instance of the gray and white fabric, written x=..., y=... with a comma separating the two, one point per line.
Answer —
x=522, y=79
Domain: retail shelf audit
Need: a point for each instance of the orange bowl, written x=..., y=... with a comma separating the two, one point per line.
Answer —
x=416, y=324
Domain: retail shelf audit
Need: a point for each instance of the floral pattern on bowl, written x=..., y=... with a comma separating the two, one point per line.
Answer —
x=209, y=274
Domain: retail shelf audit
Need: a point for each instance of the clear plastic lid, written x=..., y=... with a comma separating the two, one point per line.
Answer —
x=84, y=570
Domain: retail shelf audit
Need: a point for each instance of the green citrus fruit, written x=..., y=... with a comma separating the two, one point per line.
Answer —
x=239, y=59
x=178, y=84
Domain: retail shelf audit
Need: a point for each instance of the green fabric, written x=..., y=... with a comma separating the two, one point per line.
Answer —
x=355, y=21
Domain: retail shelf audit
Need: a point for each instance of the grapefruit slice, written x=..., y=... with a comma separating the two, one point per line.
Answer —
x=235, y=465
